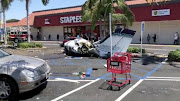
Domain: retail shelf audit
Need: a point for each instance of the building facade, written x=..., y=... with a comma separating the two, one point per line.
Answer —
x=161, y=22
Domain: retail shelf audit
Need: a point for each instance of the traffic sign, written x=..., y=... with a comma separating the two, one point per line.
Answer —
x=143, y=26
x=2, y=31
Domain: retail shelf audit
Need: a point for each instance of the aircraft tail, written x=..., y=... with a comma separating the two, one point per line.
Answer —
x=120, y=42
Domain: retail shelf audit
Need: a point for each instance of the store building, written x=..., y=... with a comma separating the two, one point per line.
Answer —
x=161, y=20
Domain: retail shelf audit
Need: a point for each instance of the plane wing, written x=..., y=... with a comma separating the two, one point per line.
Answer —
x=120, y=43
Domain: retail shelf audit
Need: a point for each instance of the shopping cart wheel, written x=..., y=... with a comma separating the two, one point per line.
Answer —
x=129, y=82
x=119, y=88
x=110, y=87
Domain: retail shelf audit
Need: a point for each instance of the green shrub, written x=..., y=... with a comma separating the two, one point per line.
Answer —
x=32, y=45
x=10, y=42
x=23, y=45
x=174, y=56
x=29, y=45
x=1, y=43
x=39, y=45
x=133, y=50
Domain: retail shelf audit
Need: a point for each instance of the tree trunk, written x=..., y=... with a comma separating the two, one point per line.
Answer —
x=5, y=34
x=104, y=28
x=101, y=35
x=28, y=27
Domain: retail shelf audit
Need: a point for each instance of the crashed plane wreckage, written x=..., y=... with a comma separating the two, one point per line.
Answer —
x=120, y=42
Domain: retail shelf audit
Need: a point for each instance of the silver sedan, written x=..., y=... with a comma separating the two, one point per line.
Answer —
x=20, y=74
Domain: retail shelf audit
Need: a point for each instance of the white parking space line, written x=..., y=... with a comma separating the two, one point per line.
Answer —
x=162, y=79
x=139, y=82
x=61, y=79
x=73, y=57
x=74, y=80
x=51, y=44
x=156, y=49
x=84, y=80
x=75, y=90
x=129, y=90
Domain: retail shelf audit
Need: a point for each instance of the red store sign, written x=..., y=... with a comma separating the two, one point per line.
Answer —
x=59, y=20
x=71, y=19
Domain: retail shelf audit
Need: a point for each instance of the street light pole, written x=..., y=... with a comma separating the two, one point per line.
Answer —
x=142, y=31
x=110, y=33
x=1, y=19
x=1, y=26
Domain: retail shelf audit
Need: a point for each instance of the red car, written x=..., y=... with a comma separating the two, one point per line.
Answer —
x=66, y=40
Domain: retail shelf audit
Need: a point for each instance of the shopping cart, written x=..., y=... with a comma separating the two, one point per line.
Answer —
x=119, y=63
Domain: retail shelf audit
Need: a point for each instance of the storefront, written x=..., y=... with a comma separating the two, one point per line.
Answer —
x=161, y=21
x=60, y=26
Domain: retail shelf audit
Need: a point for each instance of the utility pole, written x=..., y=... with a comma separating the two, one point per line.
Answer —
x=1, y=27
x=1, y=21
x=110, y=33
x=5, y=34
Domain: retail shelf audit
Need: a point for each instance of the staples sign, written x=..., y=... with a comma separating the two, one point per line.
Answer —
x=46, y=21
x=71, y=19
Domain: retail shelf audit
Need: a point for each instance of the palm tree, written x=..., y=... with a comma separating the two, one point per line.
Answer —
x=151, y=1
x=98, y=10
x=45, y=2
x=5, y=6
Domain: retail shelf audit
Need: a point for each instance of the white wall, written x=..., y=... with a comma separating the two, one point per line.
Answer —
x=164, y=31
x=34, y=33
x=53, y=30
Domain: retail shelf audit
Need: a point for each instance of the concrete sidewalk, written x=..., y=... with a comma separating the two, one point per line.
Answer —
x=157, y=49
x=156, y=45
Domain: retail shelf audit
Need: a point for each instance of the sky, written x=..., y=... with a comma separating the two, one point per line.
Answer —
x=17, y=9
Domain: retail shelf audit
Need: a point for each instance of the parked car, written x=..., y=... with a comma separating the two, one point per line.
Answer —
x=19, y=74
x=66, y=40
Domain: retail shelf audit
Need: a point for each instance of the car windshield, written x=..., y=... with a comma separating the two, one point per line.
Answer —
x=3, y=53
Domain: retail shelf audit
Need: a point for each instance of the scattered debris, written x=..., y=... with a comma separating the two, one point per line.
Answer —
x=105, y=65
x=82, y=75
x=143, y=91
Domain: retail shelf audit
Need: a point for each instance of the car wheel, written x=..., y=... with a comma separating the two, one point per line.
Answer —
x=67, y=52
x=16, y=40
x=8, y=89
x=62, y=45
x=43, y=86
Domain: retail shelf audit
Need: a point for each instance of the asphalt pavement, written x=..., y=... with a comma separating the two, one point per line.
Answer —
x=153, y=79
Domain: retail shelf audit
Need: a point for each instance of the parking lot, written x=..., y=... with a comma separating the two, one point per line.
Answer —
x=152, y=79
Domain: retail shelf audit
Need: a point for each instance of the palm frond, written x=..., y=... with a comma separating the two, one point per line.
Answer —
x=86, y=15
x=120, y=18
x=6, y=4
x=126, y=11
x=95, y=14
x=45, y=2
x=153, y=1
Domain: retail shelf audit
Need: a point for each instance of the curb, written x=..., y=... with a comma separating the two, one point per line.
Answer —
x=174, y=63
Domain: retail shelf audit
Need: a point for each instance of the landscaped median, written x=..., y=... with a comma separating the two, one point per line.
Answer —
x=29, y=45
x=135, y=51
x=174, y=56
